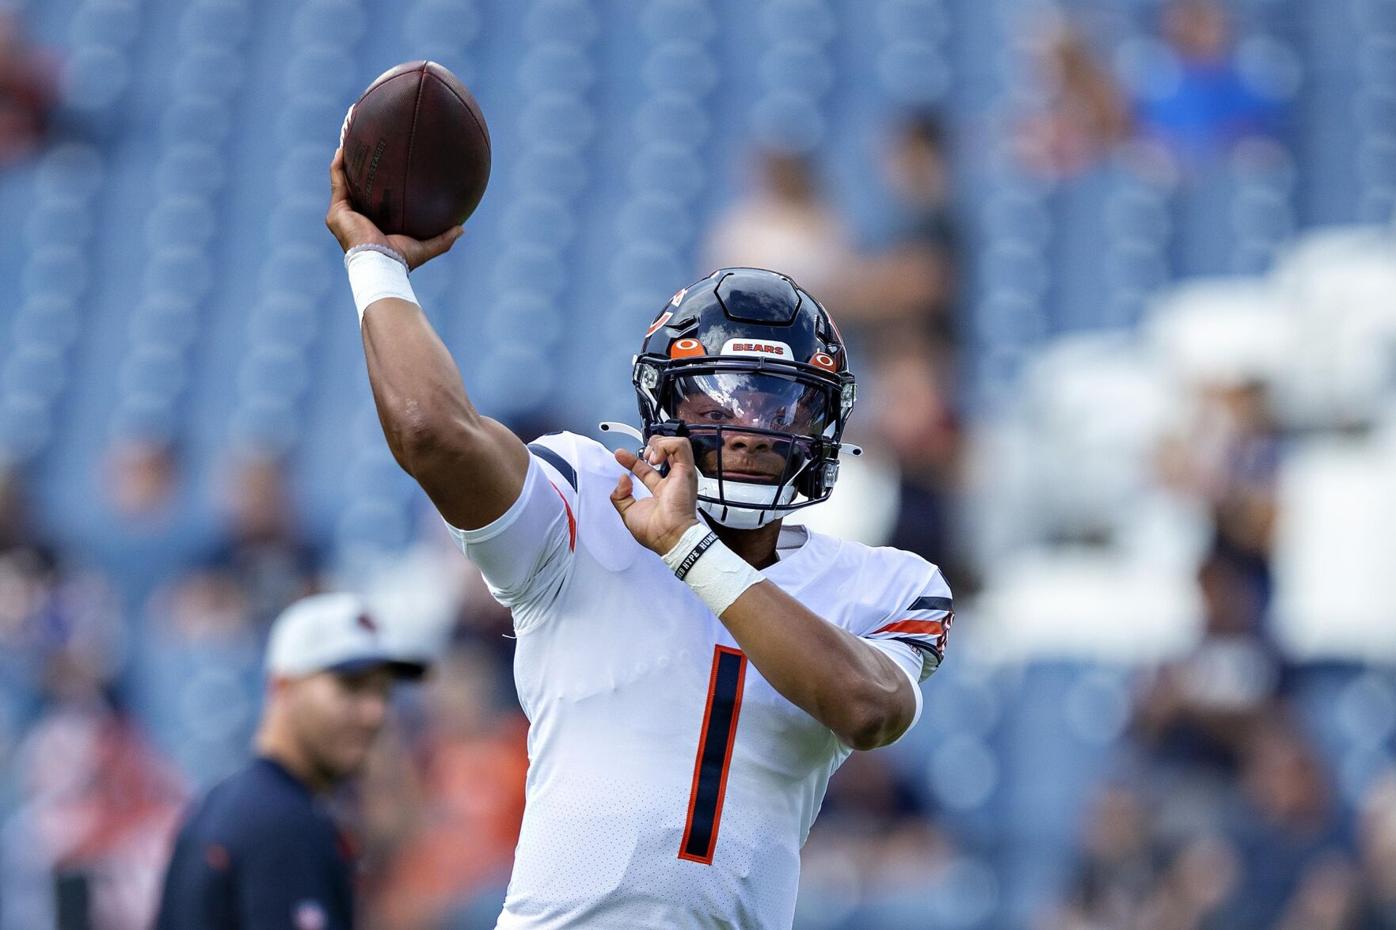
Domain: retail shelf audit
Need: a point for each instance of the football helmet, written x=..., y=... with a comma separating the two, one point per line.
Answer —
x=753, y=371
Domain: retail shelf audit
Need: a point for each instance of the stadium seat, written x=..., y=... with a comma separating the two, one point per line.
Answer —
x=1222, y=331
x=216, y=23
x=1333, y=594
x=335, y=24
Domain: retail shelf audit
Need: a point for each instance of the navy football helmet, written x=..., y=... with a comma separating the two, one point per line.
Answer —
x=753, y=371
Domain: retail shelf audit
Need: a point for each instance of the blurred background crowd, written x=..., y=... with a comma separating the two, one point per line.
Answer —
x=1119, y=278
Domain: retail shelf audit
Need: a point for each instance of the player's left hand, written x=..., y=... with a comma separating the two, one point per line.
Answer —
x=658, y=521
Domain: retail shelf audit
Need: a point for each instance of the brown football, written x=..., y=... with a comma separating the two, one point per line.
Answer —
x=416, y=151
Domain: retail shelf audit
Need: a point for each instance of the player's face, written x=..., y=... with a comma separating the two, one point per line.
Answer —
x=337, y=716
x=742, y=402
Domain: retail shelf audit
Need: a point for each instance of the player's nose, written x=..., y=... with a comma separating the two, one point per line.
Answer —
x=747, y=442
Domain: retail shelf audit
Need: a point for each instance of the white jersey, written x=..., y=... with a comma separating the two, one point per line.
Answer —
x=669, y=785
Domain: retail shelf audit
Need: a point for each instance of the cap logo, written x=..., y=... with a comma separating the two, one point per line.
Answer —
x=762, y=348
x=311, y=916
x=663, y=318
x=217, y=857
x=824, y=360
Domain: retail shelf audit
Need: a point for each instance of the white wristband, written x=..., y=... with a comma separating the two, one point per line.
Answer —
x=715, y=573
x=374, y=275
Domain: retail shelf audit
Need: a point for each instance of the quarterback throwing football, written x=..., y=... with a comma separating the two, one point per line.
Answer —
x=692, y=671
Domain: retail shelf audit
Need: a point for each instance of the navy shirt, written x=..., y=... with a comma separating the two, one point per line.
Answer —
x=258, y=853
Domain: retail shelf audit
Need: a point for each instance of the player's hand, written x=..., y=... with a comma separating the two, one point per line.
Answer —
x=352, y=228
x=658, y=521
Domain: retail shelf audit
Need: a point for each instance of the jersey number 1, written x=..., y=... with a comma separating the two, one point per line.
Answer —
x=714, y=755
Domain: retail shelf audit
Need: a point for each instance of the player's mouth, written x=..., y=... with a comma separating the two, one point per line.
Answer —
x=737, y=474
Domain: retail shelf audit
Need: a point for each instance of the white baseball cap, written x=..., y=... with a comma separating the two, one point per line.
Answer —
x=333, y=633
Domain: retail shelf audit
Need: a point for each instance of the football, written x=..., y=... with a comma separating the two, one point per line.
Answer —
x=416, y=151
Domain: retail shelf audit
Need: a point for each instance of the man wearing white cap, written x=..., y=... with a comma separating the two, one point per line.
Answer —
x=259, y=850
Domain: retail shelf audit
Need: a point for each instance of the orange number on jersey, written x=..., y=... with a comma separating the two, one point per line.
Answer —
x=715, y=743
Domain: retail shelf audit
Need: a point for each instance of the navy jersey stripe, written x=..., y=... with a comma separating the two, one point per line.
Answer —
x=931, y=603
x=714, y=755
x=556, y=461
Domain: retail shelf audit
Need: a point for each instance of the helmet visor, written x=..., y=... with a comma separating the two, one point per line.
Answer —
x=755, y=401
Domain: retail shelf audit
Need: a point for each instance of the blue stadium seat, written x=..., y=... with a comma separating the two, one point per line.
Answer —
x=336, y=24
x=55, y=271
x=97, y=77
x=193, y=118
x=216, y=23
x=556, y=65
x=571, y=20
x=540, y=219
x=180, y=219
x=99, y=23
x=209, y=70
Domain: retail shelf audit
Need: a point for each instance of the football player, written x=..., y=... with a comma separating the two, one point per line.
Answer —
x=693, y=671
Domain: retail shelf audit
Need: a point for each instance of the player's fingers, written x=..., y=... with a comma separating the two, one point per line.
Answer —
x=339, y=188
x=643, y=470
x=622, y=498
x=677, y=450
x=442, y=243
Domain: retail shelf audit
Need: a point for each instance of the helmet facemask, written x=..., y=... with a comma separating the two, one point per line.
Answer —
x=764, y=436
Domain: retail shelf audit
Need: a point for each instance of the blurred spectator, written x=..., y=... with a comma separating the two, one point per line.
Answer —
x=1230, y=459
x=915, y=422
x=1119, y=861
x=198, y=674
x=28, y=92
x=1083, y=115
x=786, y=224
x=17, y=529
x=1325, y=898
x=456, y=841
x=1377, y=838
x=264, y=550
x=907, y=289
x=197, y=670
x=60, y=628
x=1262, y=848
x=145, y=532
x=1195, y=98
x=87, y=844
x=1192, y=889
x=260, y=849
x=1131, y=878
x=1196, y=714
x=1286, y=828
x=875, y=857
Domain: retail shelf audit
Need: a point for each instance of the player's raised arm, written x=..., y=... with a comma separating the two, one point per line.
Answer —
x=472, y=467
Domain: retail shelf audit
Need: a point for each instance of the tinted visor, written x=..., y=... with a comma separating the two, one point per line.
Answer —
x=754, y=400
